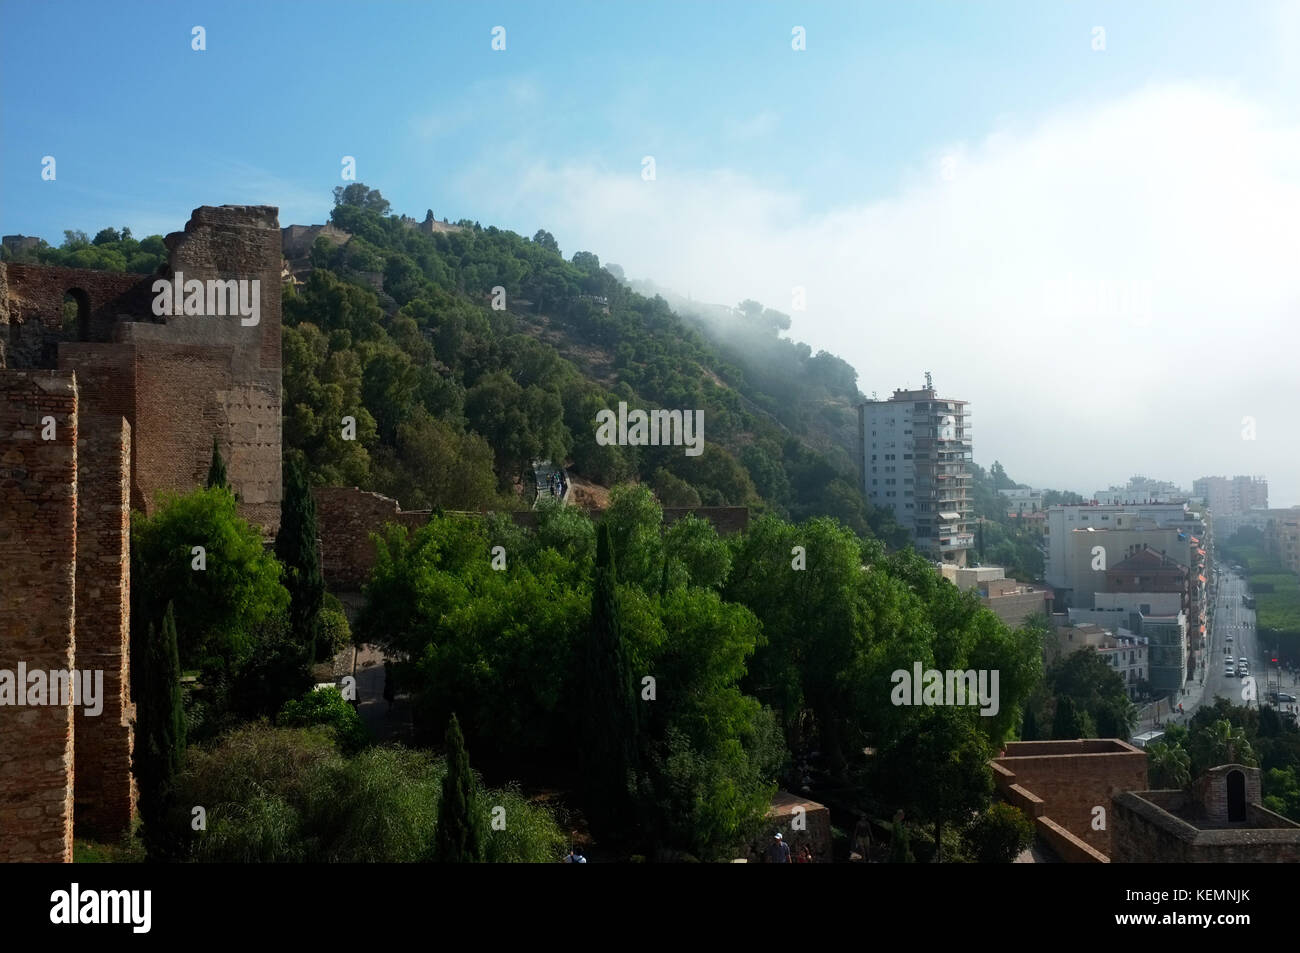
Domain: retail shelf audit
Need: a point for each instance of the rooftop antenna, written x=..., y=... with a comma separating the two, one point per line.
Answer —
x=929, y=384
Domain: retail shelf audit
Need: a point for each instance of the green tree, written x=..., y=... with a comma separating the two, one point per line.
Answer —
x=195, y=552
x=609, y=715
x=1096, y=690
x=938, y=767
x=159, y=749
x=546, y=240
x=217, y=468
x=361, y=196
x=1169, y=766
x=1220, y=743
x=299, y=555
x=900, y=848
x=999, y=835
x=1069, y=723
x=327, y=706
x=460, y=834
x=1029, y=727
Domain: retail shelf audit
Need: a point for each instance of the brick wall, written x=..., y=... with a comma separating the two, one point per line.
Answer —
x=33, y=308
x=38, y=536
x=104, y=789
x=1073, y=777
x=205, y=376
x=1144, y=832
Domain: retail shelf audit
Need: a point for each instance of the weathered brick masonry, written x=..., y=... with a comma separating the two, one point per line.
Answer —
x=105, y=793
x=38, y=540
x=1071, y=778
x=138, y=399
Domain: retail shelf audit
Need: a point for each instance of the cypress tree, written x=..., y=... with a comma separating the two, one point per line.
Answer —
x=217, y=468
x=1029, y=727
x=1067, y=723
x=459, y=838
x=160, y=735
x=610, y=716
x=296, y=548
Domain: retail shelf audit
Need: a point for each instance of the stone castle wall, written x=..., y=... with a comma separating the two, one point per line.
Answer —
x=138, y=399
x=38, y=538
x=1073, y=777
x=105, y=790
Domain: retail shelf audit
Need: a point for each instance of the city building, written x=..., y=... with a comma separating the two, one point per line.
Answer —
x=1140, y=489
x=915, y=450
x=1011, y=601
x=1121, y=649
x=1022, y=501
x=1158, y=617
x=1228, y=496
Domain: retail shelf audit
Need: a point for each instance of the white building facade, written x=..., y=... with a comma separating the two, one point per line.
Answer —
x=915, y=451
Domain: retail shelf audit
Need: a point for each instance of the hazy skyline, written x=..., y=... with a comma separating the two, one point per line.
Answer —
x=935, y=178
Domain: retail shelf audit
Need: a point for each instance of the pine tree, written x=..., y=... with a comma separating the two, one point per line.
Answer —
x=610, y=717
x=217, y=468
x=460, y=836
x=298, y=552
x=160, y=735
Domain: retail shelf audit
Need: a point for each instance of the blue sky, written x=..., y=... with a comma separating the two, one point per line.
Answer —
x=144, y=128
x=923, y=170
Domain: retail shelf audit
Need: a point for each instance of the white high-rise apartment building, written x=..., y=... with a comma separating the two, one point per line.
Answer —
x=1228, y=496
x=916, y=451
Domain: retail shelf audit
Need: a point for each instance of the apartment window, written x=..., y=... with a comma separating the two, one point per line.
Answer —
x=873, y=456
x=907, y=493
x=907, y=456
x=910, y=506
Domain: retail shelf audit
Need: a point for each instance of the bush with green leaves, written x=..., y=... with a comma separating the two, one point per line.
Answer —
x=327, y=707
x=999, y=835
x=275, y=795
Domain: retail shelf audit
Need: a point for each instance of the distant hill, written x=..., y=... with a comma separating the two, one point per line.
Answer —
x=455, y=387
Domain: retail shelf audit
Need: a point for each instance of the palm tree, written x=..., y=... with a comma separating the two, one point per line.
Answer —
x=1221, y=743
x=1170, y=766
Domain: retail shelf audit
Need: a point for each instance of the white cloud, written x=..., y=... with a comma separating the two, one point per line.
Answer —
x=1188, y=190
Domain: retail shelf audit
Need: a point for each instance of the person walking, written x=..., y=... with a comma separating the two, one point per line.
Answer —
x=778, y=852
x=575, y=856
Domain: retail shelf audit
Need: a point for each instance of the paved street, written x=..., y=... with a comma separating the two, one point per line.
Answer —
x=1232, y=618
